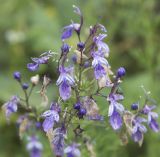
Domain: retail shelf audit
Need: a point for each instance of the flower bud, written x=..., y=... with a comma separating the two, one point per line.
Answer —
x=86, y=64
x=17, y=75
x=77, y=106
x=74, y=58
x=121, y=72
x=65, y=48
x=82, y=111
x=134, y=106
x=25, y=86
x=81, y=46
x=35, y=79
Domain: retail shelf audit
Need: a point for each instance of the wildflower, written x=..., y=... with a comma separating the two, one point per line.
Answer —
x=51, y=116
x=43, y=59
x=98, y=64
x=152, y=116
x=72, y=150
x=115, y=120
x=102, y=46
x=34, y=147
x=65, y=82
x=58, y=141
x=11, y=106
x=68, y=30
x=138, y=129
x=114, y=111
x=33, y=66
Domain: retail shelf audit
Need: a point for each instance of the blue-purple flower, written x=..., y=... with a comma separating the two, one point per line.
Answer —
x=102, y=46
x=65, y=82
x=58, y=141
x=138, y=129
x=72, y=150
x=152, y=116
x=11, y=106
x=34, y=147
x=51, y=116
x=43, y=59
x=68, y=30
x=114, y=111
x=98, y=64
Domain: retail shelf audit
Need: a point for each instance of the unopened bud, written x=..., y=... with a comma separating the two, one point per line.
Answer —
x=35, y=79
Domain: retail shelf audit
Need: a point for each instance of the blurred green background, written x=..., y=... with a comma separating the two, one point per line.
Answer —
x=30, y=27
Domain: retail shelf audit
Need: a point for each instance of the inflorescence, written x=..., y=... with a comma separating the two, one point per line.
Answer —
x=84, y=75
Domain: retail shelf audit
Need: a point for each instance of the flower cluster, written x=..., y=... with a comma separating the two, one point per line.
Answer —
x=84, y=74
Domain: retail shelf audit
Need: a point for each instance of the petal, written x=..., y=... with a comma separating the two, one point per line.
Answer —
x=103, y=47
x=111, y=109
x=99, y=71
x=149, y=118
x=140, y=119
x=48, y=123
x=99, y=38
x=154, y=125
x=41, y=60
x=94, y=62
x=70, y=79
x=119, y=107
x=137, y=136
x=76, y=152
x=134, y=129
x=118, y=97
x=33, y=66
x=70, y=154
x=154, y=115
x=35, y=152
x=56, y=116
x=67, y=33
x=102, y=60
x=47, y=113
x=65, y=90
x=12, y=107
x=60, y=79
x=142, y=128
x=116, y=120
x=68, y=149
